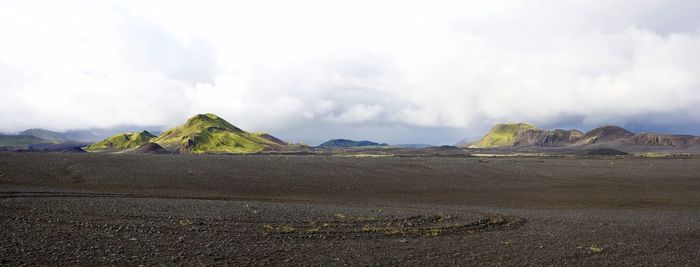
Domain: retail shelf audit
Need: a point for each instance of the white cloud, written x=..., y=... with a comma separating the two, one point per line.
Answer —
x=281, y=66
x=359, y=113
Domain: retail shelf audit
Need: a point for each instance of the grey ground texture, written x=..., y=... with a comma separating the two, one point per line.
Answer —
x=133, y=209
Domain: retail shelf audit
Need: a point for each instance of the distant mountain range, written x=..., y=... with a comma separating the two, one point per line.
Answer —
x=45, y=134
x=515, y=135
x=83, y=136
x=52, y=141
x=345, y=143
x=33, y=143
x=20, y=140
x=210, y=134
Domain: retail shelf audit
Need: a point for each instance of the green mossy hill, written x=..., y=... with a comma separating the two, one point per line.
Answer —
x=208, y=133
x=122, y=141
x=503, y=135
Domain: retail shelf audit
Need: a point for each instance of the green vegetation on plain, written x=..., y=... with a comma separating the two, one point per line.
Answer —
x=661, y=155
x=595, y=249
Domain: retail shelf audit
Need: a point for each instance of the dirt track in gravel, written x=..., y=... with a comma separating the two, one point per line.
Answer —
x=176, y=209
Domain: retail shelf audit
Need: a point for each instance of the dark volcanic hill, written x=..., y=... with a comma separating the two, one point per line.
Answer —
x=150, y=148
x=345, y=143
x=606, y=134
x=65, y=146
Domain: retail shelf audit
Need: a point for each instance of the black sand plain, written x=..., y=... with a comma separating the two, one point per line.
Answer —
x=132, y=209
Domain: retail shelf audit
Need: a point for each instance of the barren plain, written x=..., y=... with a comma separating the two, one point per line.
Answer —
x=136, y=209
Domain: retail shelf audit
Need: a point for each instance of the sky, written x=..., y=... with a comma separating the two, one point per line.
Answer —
x=389, y=71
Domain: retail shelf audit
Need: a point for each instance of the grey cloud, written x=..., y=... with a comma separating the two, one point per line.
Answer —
x=150, y=47
x=435, y=73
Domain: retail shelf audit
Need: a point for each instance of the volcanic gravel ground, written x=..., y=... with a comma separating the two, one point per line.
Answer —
x=102, y=209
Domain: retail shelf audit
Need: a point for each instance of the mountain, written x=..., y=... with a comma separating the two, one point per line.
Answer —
x=526, y=135
x=149, y=148
x=45, y=134
x=504, y=135
x=412, y=145
x=97, y=134
x=270, y=138
x=345, y=143
x=20, y=140
x=523, y=134
x=653, y=139
x=122, y=141
x=64, y=147
x=208, y=133
x=605, y=134
x=40, y=140
x=560, y=137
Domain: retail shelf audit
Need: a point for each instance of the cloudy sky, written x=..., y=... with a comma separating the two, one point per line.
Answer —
x=390, y=71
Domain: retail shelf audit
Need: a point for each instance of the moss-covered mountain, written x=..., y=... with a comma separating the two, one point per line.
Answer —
x=208, y=133
x=503, y=135
x=523, y=134
x=122, y=141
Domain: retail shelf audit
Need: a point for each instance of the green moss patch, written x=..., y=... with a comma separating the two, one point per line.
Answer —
x=122, y=141
x=503, y=135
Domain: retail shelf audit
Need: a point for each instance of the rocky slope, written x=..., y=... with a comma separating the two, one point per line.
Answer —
x=149, y=148
x=606, y=134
